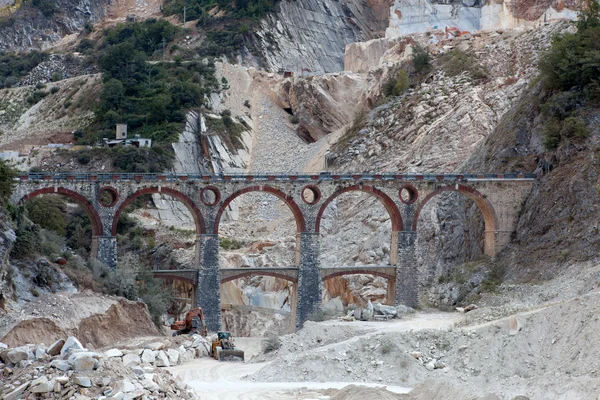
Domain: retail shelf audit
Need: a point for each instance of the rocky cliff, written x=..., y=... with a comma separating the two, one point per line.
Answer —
x=309, y=36
x=26, y=27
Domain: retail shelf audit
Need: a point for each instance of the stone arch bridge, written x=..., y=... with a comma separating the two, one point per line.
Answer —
x=104, y=196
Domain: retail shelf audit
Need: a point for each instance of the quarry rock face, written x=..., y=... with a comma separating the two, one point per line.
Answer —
x=33, y=30
x=309, y=36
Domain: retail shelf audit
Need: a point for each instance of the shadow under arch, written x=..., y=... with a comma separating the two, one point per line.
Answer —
x=288, y=200
x=388, y=203
x=486, y=208
x=194, y=210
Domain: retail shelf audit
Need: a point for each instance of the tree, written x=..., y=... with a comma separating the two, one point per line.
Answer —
x=7, y=181
x=113, y=95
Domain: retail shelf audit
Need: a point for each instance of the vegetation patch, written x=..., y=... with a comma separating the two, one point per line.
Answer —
x=570, y=75
x=457, y=62
x=151, y=98
x=228, y=24
x=14, y=66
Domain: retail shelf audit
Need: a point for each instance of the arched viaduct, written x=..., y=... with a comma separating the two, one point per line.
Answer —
x=104, y=196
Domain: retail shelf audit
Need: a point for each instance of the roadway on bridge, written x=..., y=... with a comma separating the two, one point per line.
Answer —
x=213, y=380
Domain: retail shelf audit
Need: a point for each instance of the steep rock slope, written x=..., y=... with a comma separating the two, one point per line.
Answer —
x=28, y=28
x=310, y=35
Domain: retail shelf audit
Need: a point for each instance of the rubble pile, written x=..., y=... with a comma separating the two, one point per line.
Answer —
x=66, y=369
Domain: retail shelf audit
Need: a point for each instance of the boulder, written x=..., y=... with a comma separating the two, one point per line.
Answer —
x=402, y=309
x=162, y=360
x=56, y=347
x=71, y=344
x=3, y=346
x=187, y=357
x=116, y=396
x=148, y=356
x=124, y=386
x=62, y=379
x=471, y=307
x=40, y=352
x=148, y=384
x=113, y=353
x=84, y=361
x=19, y=354
x=383, y=309
x=131, y=359
x=173, y=356
x=155, y=346
x=82, y=381
x=17, y=394
x=40, y=385
x=61, y=365
x=514, y=325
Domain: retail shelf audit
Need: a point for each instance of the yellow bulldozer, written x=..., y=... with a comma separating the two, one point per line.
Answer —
x=223, y=348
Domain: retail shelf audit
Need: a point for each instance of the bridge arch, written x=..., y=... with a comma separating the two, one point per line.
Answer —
x=389, y=274
x=388, y=203
x=357, y=271
x=274, y=274
x=194, y=210
x=486, y=208
x=288, y=200
x=85, y=204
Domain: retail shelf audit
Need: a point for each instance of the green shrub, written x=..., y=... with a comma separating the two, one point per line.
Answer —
x=294, y=119
x=54, y=89
x=27, y=242
x=48, y=212
x=421, y=58
x=56, y=76
x=230, y=243
x=7, y=182
x=456, y=62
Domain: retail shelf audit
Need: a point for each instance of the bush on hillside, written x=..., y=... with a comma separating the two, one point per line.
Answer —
x=570, y=73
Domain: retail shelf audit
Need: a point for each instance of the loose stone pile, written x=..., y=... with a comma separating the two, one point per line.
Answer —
x=67, y=370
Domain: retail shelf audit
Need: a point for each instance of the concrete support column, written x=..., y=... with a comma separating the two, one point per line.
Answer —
x=407, y=285
x=104, y=249
x=309, y=278
x=294, y=307
x=208, y=288
x=391, y=292
x=394, y=248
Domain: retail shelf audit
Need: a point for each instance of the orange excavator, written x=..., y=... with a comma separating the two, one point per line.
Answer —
x=193, y=323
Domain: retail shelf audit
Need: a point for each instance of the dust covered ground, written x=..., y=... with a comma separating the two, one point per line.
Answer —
x=95, y=319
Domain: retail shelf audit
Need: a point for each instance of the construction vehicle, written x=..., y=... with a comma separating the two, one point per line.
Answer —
x=223, y=348
x=193, y=323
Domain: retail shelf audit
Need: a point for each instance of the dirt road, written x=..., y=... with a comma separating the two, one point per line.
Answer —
x=214, y=380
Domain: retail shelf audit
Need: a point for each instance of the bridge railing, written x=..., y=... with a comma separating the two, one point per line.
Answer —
x=260, y=176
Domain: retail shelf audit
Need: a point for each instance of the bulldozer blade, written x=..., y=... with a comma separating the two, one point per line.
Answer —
x=231, y=355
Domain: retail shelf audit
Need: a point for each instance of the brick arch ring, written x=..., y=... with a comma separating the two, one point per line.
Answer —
x=194, y=210
x=486, y=208
x=288, y=200
x=387, y=202
x=85, y=204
